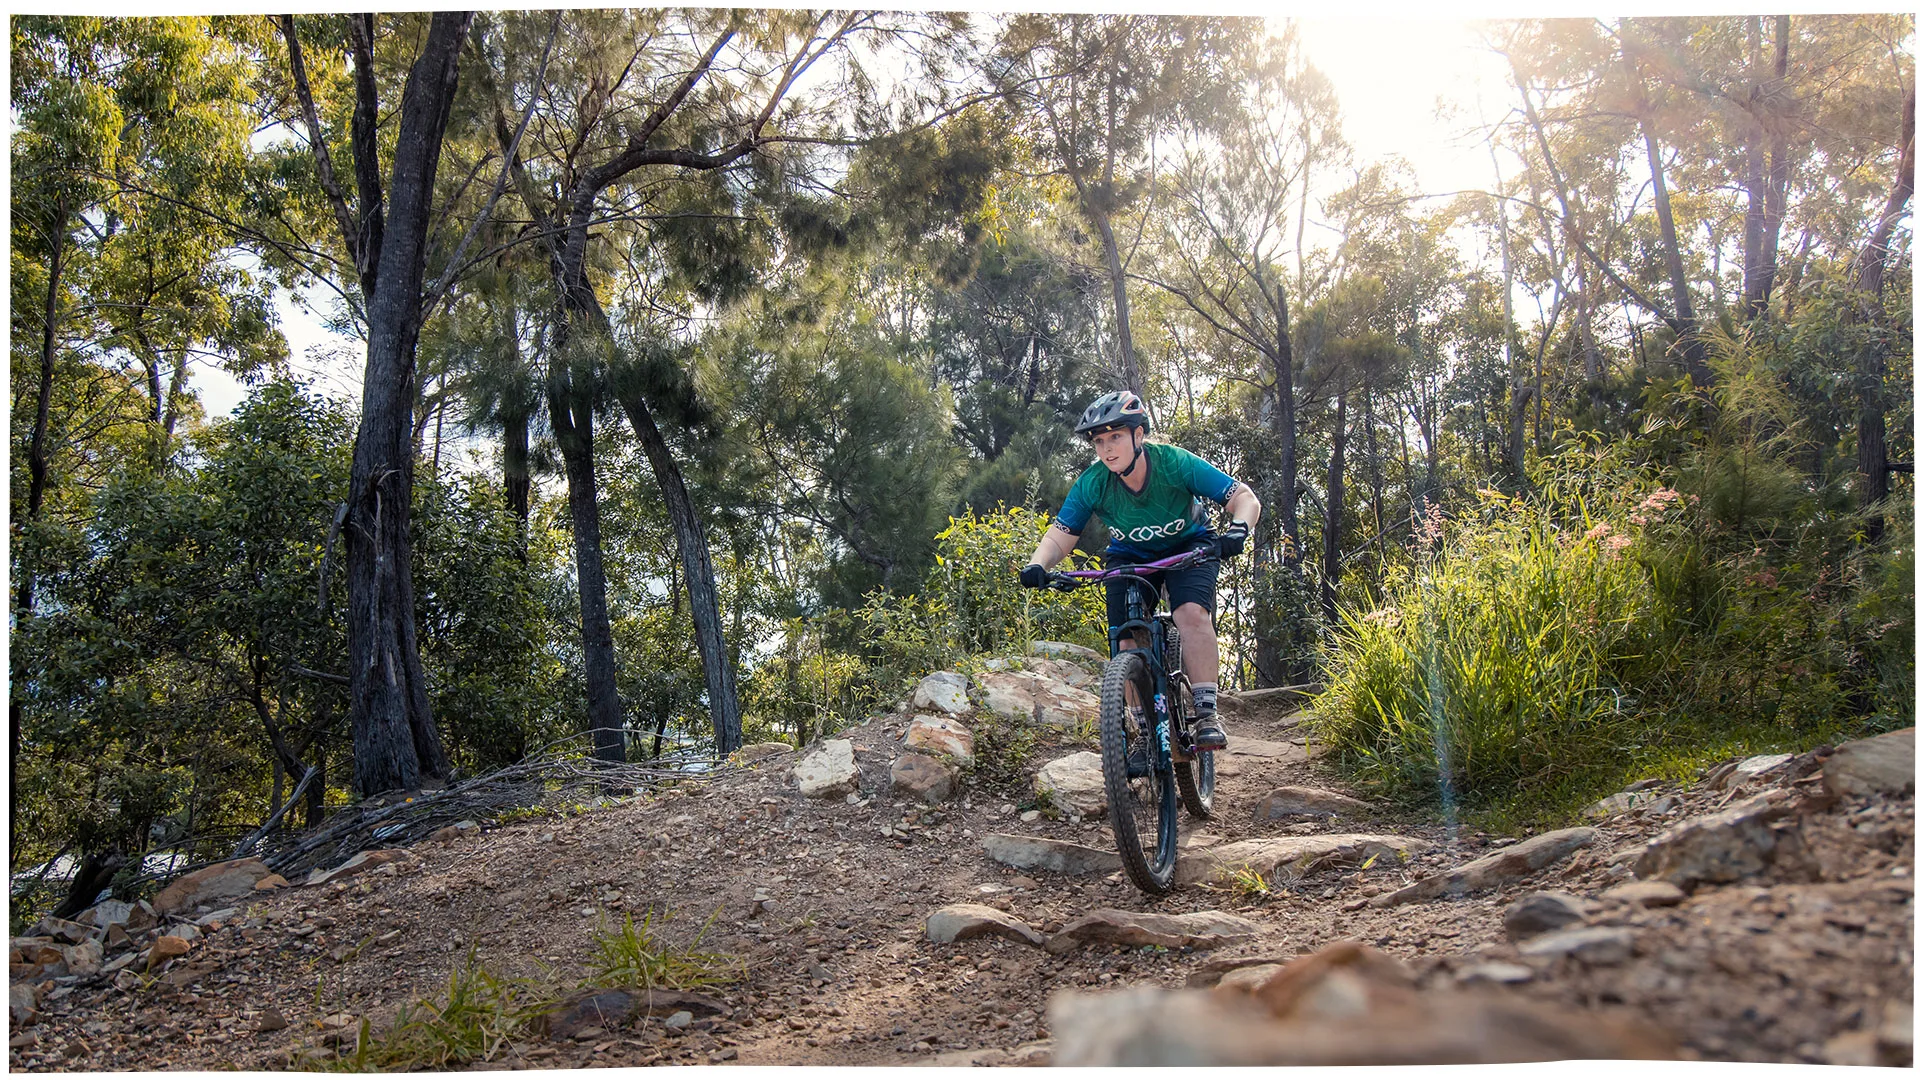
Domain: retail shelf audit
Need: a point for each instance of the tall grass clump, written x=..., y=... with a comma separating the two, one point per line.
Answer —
x=1499, y=661
x=1625, y=618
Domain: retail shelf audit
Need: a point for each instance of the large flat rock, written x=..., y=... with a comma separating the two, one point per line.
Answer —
x=1195, y=930
x=828, y=772
x=1030, y=697
x=1285, y=858
x=220, y=881
x=1507, y=865
x=964, y=922
x=1876, y=766
x=1040, y=853
x=1726, y=846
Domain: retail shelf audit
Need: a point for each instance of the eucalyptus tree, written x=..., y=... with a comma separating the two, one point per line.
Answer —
x=1099, y=90
x=1232, y=207
x=385, y=228
x=686, y=110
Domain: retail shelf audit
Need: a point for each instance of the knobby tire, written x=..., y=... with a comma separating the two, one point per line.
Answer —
x=1150, y=797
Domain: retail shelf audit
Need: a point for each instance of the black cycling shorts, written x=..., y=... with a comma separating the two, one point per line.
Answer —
x=1187, y=585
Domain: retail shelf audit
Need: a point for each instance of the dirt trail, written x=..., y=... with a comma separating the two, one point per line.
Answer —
x=839, y=969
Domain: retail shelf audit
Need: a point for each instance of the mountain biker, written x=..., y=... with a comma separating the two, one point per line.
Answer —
x=1149, y=493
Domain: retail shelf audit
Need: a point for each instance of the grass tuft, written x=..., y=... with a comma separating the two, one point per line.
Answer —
x=482, y=1013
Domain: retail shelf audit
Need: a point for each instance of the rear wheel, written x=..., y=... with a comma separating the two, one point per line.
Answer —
x=1144, y=816
x=1194, y=776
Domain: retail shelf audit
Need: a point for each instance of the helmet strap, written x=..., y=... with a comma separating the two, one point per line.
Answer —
x=1138, y=449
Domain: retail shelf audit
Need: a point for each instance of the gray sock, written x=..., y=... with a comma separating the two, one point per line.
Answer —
x=1205, y=698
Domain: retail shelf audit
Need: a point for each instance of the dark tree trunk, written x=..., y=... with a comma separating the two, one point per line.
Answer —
x=1873, y=357
x=515, y=420
x=696, y=562
x=1755, y=180
x=570, y=411
x=1275, y=654
x=95, y=873
x=37, y=467
x=395, y=742
x=1693, y=350
x=1122, y=314
x=1336, y=510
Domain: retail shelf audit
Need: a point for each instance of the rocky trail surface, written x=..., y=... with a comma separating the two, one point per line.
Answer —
x=892, y=902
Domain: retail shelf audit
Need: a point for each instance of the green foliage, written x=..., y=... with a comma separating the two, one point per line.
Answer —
x=1546, y=650
x=480, y=1015
x=1003, y=753
x=636, y=955
x=483, y=631
x=975, y=585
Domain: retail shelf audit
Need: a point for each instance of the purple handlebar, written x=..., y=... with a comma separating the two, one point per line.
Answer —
x=1168, y=563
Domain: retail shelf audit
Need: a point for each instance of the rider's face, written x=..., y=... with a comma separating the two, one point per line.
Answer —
x=1115, y=448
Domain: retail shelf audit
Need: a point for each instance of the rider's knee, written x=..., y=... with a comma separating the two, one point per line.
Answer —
x=1192, y=617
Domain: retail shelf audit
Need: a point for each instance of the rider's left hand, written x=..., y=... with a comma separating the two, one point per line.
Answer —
x=1233, y=541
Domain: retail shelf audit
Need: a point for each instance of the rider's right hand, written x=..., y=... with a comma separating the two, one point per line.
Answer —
x=1033, y=576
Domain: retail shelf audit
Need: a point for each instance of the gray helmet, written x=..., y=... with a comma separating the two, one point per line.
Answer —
x=1122, y=408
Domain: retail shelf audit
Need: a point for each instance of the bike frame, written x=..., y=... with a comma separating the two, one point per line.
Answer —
x=1172, y=737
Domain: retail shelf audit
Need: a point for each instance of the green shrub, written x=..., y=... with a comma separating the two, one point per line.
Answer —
x=1538, y=653
x=1494, y=666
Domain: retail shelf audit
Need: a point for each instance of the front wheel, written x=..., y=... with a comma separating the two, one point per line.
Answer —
x=1143, y=813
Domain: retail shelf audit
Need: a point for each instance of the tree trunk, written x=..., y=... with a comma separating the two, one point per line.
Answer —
x=1693, y=351
x=1873, y=357
x=696, y=562
x=1780, y=169
x=396, y=744
x=572, y=421
x=1336, y=509
x=1275, y=656
x=1755, y=181
x=1122, y=316
x=1516, y=448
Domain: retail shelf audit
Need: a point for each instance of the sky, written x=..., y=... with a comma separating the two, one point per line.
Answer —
x=1387, y=69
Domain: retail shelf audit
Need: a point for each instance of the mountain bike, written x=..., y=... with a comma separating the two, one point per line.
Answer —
x=1151, y=679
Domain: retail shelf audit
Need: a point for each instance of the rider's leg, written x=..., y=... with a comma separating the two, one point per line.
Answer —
x=1199, y=645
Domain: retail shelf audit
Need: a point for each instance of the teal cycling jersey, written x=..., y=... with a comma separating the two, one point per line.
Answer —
x=1160, y=518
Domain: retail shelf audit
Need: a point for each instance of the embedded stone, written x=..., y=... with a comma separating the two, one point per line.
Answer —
x=1598, y=945
x=1074, y=783
x=923, y=777
x=942, y=735
x=964, y=922
x=1727, y=846
x=943, y=690
x=217, y=882
x=1196, y=930
x=1646, y=893
x=1540, y=912
x=1289, y=858
x=1876, y=766
x=1030, y=697
x=1040, y=853
x=1515, y=863
x=828, y=772
x=1285, y=802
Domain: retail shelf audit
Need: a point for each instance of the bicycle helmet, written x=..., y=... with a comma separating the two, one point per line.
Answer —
x=1121, y=408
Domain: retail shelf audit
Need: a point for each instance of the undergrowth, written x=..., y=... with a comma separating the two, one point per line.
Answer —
x=482, y=1013
x=1538, y=653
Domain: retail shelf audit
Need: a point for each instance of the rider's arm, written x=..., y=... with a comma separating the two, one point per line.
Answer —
x=1244, y=505
x=1057, y=544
